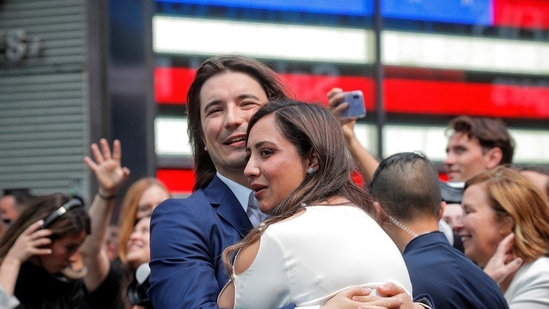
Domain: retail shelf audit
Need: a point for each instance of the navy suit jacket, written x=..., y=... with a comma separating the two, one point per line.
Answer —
x=448, y=276
x=188, y=237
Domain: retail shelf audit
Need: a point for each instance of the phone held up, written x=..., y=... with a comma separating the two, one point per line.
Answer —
x=356, y=108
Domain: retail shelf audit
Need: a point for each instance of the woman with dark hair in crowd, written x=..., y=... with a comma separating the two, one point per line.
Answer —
x=42, y=242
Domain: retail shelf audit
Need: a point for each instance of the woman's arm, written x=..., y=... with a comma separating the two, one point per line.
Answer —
x=110, y=177
x=29, y=243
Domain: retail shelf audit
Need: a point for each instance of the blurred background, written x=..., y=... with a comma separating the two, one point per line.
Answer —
x=73, y=71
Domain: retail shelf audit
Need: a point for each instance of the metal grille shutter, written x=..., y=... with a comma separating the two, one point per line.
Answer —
x=43, y=100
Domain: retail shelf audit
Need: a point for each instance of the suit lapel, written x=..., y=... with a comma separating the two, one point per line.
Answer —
x=228, y=207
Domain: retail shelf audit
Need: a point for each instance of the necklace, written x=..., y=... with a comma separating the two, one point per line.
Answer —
x=403, y=227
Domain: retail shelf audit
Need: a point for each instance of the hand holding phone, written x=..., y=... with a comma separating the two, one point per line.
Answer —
x=356, y=108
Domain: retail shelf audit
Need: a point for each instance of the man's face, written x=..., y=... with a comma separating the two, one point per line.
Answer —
x=8, y=213
x=227, y=102
x=465, y=157
x=452, y=215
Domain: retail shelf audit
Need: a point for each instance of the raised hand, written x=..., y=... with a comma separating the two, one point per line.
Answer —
x=107, y=167
x=336, y=106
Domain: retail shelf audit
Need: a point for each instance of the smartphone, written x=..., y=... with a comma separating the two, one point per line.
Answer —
x=356, y=108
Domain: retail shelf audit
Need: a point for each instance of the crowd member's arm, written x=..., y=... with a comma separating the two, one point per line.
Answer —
x=367, y=162
x=110, y=176
x=29, y=243
x=503, y=262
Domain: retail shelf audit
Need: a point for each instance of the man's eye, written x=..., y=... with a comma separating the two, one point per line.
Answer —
x=212, y=111
x=249, y=103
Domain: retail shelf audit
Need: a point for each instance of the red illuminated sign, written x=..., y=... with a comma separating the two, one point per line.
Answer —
x=408, y=96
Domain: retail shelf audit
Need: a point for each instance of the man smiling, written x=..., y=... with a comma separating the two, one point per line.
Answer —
x=476, y=145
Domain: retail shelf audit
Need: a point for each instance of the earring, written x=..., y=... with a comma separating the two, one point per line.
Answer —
x=310, y=170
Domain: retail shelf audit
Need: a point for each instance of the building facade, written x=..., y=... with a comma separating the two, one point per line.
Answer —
x=121, y=69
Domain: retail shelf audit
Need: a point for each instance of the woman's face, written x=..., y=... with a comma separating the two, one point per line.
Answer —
x=153, y=196
x=274, y=168
x=63, y=252
x=481, y=231
x=138, y=246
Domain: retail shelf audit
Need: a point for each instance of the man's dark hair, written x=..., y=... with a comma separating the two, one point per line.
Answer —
x=22, y=196
x=490, y=133
x=451, y=195
x=271, y=83
x=406, y=185
x=540, y=169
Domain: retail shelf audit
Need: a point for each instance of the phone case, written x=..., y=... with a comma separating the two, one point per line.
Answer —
x=356, y=109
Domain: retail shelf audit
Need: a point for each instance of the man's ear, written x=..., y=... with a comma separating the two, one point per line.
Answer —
x=441, y=210
x=380, y=215
x=493, y=158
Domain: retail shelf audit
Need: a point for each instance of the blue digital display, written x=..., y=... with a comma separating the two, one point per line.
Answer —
x=347, y=7
x=473, y=12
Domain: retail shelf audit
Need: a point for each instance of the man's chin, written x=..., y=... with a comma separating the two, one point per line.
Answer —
x=455, y=177
x=236, y=164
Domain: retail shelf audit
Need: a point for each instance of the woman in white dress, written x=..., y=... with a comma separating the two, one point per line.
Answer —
x=498, y=204
x=320, y=237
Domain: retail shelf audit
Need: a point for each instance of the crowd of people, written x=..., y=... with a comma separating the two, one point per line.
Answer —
x=276, y=221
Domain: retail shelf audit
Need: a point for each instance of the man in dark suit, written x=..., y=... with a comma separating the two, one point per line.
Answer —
x=189, y=235
x=408, y=203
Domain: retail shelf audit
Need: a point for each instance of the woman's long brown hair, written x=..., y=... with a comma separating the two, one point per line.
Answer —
x=313, y=130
